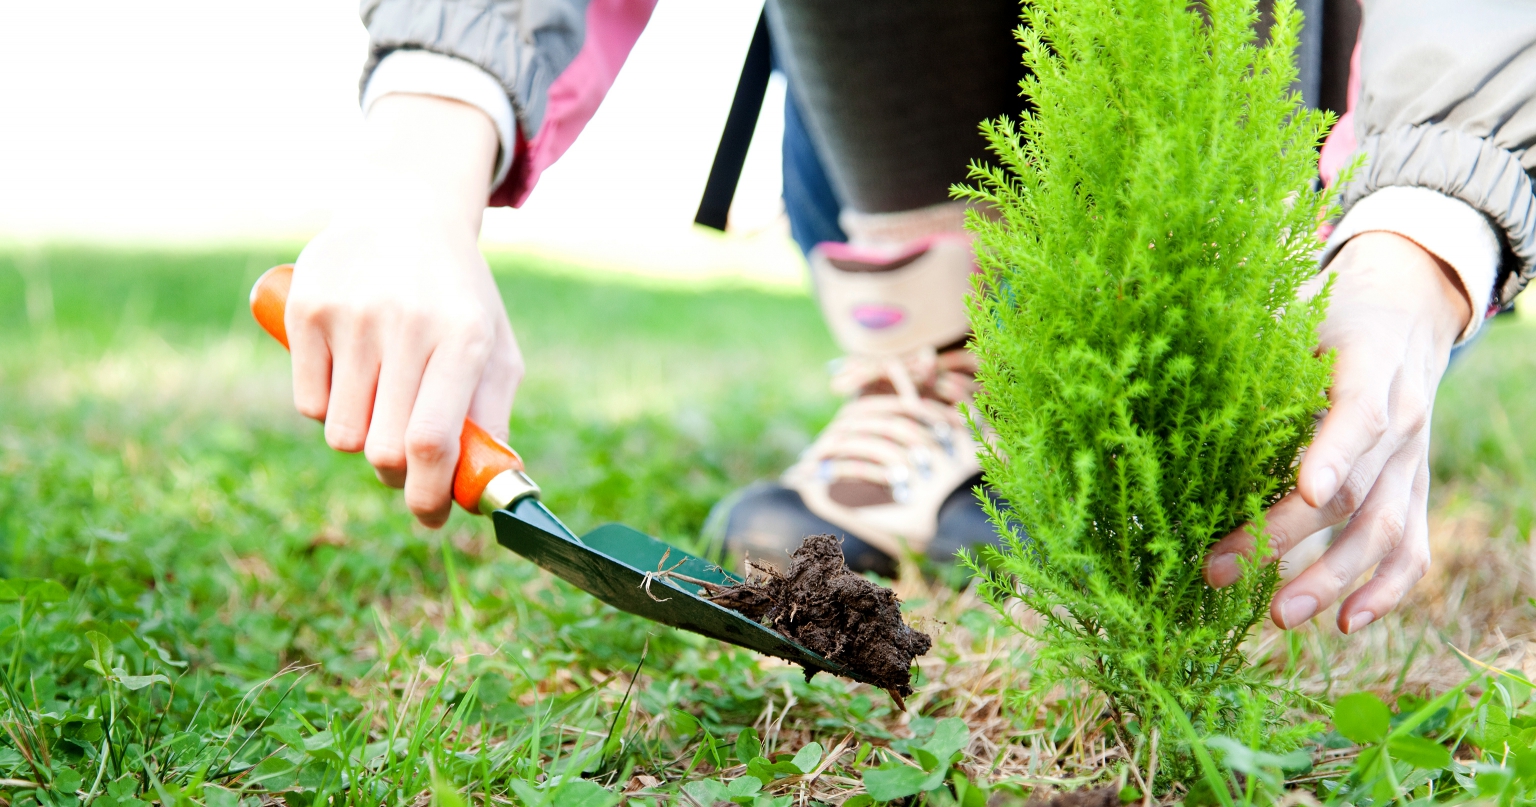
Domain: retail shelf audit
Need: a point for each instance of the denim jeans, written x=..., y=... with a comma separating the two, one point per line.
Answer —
x=809, y=201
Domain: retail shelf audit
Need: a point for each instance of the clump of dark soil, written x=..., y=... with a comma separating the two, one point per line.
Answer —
x=822, y=604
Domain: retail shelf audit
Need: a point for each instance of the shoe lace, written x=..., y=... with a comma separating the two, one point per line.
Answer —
x=949, y=377
x=904, y=410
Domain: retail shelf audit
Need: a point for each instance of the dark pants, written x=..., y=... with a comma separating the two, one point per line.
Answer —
x=885, y=97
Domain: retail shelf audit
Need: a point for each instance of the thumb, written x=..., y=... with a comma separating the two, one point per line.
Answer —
x=1314, y=284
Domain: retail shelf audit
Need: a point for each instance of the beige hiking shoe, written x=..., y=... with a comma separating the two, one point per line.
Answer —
x=899, y=447
x=896, y=470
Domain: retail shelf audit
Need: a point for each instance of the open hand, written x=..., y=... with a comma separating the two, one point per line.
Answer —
x=1394, y=313
x=396, y=325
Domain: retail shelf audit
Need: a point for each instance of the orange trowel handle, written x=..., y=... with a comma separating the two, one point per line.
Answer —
x=481, y=456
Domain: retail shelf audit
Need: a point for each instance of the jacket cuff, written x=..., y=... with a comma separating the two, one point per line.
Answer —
x=426, y=73
x=1449, y=228
x=1462, y=166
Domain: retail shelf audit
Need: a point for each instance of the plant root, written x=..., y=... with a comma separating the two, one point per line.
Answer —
x=671, y=574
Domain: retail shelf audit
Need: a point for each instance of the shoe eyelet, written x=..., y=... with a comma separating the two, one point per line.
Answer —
x=922, y=460
x=945, y=435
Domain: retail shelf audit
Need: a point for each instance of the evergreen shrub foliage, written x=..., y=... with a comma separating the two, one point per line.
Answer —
x=1146, y=365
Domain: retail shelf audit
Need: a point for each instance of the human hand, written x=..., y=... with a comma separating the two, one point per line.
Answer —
x=1394, y=313
x=397, y=329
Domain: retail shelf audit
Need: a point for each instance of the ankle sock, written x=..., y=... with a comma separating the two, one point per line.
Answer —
x=900, y=228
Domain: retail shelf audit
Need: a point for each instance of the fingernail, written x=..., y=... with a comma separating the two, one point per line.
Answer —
x=1323, y=486
x=1358, y=620
x=1223, y=569
x=1297, y=610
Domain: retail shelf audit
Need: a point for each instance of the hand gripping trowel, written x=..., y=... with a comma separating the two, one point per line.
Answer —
x=623, y=567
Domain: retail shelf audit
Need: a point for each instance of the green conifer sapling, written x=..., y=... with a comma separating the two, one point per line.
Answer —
x=1148, y=371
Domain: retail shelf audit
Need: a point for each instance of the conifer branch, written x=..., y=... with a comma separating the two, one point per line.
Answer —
x=1146, y=366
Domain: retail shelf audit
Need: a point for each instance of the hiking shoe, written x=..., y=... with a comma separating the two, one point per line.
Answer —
x=766, y=521
x=899, y=453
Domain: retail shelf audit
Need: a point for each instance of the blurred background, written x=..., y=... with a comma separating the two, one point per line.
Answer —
x=195, y=122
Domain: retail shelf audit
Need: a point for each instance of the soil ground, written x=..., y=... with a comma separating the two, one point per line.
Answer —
x=1087, y=797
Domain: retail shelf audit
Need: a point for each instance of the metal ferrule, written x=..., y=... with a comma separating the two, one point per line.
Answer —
x=506, y=489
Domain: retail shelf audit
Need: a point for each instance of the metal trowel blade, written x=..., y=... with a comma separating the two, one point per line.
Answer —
x=611, y=563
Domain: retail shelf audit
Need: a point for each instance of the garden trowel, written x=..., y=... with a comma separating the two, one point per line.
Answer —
x=616, y=564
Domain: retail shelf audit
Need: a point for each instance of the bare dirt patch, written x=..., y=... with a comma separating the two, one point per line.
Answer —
x=1090, y=797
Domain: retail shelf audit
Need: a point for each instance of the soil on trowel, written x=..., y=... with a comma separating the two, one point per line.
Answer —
x=822, y=604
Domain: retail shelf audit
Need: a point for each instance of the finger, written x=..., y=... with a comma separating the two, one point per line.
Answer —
x=1314, y=284
x=1358, y=418
x=311, y=362
x=1287, y=524
x=1305, y=553
x=1376, y=530
x=1400, y=570
x=1292, y=519
x=491, y=406
x=432, y=434
x=405, y=359
x=354, y=379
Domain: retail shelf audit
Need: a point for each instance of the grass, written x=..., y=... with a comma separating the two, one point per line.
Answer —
x=200, y=603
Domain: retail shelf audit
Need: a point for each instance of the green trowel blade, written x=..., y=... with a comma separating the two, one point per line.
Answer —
x=611, y=562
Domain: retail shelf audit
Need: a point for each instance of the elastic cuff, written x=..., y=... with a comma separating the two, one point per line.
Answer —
x=1450, y=229
x=1461, y=165
x=423, y=72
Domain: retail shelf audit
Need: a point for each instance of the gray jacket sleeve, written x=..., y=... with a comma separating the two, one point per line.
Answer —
x=1448, y=103
x=525, y=44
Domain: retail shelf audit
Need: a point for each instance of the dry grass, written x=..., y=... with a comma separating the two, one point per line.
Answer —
x=1474, y=598
x=228, y=382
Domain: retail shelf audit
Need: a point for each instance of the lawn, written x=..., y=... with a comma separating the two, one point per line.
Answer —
x=201, y=603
